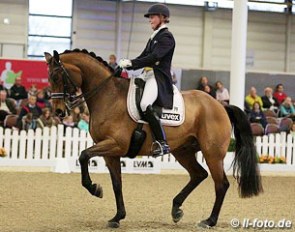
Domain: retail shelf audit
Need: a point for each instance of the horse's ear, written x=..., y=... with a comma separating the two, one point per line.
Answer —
x=48, y=57
x=56, y=56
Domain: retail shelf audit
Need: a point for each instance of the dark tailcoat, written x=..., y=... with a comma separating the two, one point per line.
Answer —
x=158, y=54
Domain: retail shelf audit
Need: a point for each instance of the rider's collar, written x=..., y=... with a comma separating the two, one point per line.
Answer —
x=156, y=31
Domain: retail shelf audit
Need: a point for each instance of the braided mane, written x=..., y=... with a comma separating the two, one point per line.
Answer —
x=92, y=54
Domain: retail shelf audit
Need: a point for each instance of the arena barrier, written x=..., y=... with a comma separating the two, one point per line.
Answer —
x=59, y=149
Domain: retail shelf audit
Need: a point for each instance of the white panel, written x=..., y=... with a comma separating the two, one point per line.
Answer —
x=94, y=26
x=13, y=50
x=17, y=29
x=186, y=24
x=267, y=39
x=221, y=39
x=292, y=44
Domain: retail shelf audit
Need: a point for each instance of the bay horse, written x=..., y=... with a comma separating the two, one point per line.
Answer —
x=207, y=128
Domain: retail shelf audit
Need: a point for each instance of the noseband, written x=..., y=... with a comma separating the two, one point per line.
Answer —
x=72, y=100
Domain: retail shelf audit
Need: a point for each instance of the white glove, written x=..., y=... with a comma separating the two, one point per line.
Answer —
x=125, y=63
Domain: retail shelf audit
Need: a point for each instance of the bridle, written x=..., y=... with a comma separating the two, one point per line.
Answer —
x=72, y=100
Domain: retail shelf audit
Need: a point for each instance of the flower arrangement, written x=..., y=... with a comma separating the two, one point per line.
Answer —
x=232, y=145
x=2, y=152
x=271, y=160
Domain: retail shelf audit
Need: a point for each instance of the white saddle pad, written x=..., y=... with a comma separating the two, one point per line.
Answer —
x=170, y=117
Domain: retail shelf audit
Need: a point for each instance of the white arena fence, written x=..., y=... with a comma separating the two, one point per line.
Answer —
x=59, y=149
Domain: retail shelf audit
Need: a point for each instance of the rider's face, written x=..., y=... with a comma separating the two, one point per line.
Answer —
x=154, y=21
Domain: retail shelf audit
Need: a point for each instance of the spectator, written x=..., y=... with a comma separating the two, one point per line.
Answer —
x=41, y=101
x=76, y=114
x=287, y=109
x=7, y=105
x=2, y=87
x=253, y=97
x=84, y=122
x=207, y=89
x=32, y=112
x=68, y=121
x=203, y=82
x=221, y=93
x=18, y=91
x=46, y=119
x=47, y=92
x=257, y=115
x=279, y=93
x=33, y=90
x=174, y=78
x=113, y=61
x=269, y=101
x=293, y=130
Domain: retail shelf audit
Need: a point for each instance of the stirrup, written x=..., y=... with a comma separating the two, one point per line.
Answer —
x=159, y=149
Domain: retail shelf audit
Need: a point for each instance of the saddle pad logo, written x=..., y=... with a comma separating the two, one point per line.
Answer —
x=172, y=117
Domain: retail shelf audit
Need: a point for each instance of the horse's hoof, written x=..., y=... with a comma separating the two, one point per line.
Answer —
x=205, y=224
x=177, y=216
x=98, y=192
x=113, y=224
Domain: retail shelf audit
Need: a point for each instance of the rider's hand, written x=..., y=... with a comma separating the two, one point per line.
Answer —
x=125, y=63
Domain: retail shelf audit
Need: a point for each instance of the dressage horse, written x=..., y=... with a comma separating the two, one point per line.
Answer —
x=207, y=128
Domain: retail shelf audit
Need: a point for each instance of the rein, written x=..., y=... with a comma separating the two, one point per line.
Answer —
x=72, y=100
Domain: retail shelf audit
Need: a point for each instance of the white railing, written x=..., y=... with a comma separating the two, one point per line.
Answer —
x=45, y=147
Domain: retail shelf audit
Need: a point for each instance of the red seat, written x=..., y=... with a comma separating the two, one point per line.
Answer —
x=257, y=129
x=10, y=121
x=272, y=129
x=286, y=124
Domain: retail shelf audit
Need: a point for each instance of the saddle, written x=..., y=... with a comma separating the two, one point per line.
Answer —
x=168, y=117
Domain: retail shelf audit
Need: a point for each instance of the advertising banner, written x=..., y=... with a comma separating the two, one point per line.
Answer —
x=31, y=72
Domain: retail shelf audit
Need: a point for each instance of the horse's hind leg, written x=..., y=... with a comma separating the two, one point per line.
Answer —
x=186, y=157
x=221, y=186
x=114, y=166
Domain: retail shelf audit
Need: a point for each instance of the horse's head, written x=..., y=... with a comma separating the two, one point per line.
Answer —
x=65, y=80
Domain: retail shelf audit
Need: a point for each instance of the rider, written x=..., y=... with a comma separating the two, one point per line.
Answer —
x=156, y=61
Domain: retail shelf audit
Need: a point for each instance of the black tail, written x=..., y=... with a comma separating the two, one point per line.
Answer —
x=245, y=167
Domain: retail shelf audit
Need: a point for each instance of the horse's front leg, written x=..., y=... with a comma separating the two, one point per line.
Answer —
x=114, y=166
x=104, y=148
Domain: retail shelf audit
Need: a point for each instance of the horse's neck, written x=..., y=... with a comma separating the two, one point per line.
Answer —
x=108, y=97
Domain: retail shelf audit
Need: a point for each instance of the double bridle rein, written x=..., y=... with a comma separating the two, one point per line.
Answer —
x=72, y=100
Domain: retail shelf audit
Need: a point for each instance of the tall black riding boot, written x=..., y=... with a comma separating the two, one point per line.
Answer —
x=160, y=147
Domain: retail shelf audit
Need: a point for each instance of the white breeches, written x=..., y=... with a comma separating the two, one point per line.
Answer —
x=150, y=92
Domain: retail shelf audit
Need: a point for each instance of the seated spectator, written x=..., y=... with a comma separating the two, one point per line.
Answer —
x=287, y=109
x=113, y=61
x=221, y=93
x=207, y=89
x=68, y=121
x=293, y=130
x=7, y=105
x=253, y=97
x=32, y=113
x=203, y=82
x=256, y=115
x=41, y=101
x=279, y=93
x=76, y=114
x=33, y=90
x=269, y=101
x=3, y=88
x=84, y=122
x=47, y=92
x=46, y=119
x=18, y=91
